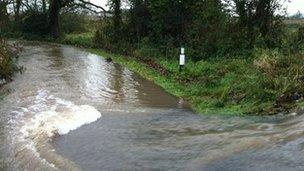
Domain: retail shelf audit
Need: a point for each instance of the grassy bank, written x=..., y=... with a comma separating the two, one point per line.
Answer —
x=268, y=83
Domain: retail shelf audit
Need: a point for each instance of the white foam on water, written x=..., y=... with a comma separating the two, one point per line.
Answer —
x=48, y=117
x=60, y=121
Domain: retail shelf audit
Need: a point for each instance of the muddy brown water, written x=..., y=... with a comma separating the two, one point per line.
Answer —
x=71, y=110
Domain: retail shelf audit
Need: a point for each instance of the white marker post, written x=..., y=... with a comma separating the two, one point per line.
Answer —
x=182, y=59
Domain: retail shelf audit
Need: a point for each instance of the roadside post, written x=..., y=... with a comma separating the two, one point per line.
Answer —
x=182, y=59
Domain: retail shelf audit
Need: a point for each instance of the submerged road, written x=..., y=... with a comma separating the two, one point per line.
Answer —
x=71, y=110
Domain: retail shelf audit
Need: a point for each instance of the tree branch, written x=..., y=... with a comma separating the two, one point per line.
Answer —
x=81, y=5
x=91, y=4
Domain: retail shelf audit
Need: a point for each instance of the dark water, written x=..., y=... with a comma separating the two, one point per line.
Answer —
x=71, y=110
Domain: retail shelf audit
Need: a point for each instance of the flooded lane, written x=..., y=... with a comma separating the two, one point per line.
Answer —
x=71, y=110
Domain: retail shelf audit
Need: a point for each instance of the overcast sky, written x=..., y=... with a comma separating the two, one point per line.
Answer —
x=292, y=7
x=295, y=6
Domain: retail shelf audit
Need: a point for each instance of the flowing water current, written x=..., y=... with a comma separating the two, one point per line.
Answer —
x=72, y=110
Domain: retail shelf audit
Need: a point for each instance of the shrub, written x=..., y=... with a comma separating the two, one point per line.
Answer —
x=7, y=61
x=83, y=40
x=34, y=23
x=73, y=22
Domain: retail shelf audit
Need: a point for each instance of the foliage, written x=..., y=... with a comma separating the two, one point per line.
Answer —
x=257, y=17
x=207, y=36
x=208, y=28
x=241, y=58
x=34, y=23
x=73, y=22
x=7, y=61
x=82, y=40
x=268, y=82
x=3, y=14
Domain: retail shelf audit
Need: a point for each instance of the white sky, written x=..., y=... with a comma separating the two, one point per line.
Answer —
x=292, y=7
x=102, y=3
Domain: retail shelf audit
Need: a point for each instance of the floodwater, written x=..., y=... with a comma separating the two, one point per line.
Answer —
x=71, y=110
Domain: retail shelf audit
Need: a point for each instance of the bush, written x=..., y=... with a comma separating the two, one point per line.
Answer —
x=206, y=28
x=7, y=61
x=82, y=40
x=73, y=22
x=34, y=23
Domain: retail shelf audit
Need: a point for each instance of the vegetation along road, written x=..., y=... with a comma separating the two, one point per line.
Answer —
x=116, y=98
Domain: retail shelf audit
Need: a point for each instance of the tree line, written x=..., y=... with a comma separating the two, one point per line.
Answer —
x=41, y=16
x=207, y=28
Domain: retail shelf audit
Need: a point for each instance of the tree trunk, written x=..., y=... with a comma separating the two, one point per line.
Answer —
x=17, y=10
x=3, y=13
x=117, y=17
x=54, y=18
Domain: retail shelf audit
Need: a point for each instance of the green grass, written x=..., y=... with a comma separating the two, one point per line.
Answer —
x=82, y=40
x=261, y=84
x=230, y=87
x=294, y=24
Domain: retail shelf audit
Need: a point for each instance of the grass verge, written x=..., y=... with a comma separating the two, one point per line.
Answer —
x=269, y=82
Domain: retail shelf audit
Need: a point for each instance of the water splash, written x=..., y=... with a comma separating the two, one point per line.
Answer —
x=47, y=118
